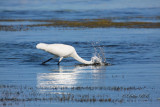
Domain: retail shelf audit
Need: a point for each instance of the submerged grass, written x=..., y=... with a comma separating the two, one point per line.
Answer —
x=12, y=94
x=85, y=23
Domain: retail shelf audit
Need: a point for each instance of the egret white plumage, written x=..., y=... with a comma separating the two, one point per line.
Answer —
x=63, y=51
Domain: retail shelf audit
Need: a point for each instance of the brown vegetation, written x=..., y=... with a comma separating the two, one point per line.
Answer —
x=87, y=23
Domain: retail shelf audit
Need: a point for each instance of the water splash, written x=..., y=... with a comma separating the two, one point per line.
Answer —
x=99, y=54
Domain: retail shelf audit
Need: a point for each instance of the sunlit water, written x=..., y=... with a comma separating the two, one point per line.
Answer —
x=131, y=78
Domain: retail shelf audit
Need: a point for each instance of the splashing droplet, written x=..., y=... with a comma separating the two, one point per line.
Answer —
x=99, y=54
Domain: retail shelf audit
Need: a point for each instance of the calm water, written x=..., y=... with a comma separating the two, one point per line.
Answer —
x=132, y=79
x=122, y=10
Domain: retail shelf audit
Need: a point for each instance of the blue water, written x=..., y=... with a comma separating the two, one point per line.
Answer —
x=132, y=79
x=79, y=9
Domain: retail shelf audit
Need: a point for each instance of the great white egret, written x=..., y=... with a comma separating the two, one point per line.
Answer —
x=64, y=51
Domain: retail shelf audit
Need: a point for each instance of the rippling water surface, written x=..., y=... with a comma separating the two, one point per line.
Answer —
x=131, y=79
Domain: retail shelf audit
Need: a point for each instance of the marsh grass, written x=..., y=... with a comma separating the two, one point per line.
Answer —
x=85, y=23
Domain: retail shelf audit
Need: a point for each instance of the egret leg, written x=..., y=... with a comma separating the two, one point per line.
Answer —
x=49, y=59
x=60, y=60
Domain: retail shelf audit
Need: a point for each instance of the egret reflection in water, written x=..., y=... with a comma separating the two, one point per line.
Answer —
x=65, y=76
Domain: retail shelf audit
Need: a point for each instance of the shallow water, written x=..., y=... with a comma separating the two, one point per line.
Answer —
x=131, y=79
